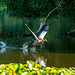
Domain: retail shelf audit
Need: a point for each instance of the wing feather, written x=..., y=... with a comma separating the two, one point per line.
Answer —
x=42, y=34
x=32, y=32
x=43, y=31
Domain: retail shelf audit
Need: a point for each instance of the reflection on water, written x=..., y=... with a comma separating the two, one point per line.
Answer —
x=53, y=59
x=2, y=50
x=40, y=60
x=59, y=50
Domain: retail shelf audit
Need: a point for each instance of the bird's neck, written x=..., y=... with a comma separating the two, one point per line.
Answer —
x=41, y=23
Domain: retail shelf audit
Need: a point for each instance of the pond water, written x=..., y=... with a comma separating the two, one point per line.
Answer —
x=59, y=50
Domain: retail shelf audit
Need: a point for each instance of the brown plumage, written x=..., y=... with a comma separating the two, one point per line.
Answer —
x=39, y=39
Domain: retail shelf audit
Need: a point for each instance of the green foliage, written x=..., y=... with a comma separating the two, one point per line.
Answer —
x=29, y=8
x=39, y=8
x=32, y=68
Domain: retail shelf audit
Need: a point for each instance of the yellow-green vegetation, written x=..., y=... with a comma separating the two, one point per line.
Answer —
x=32, y=68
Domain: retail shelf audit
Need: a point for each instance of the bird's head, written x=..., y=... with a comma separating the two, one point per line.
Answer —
x=45, y=40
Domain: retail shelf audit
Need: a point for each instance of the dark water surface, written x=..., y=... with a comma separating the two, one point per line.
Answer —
x=59, y=50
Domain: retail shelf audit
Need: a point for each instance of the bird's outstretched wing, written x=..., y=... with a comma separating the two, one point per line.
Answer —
x=39, y=28
x=32, y=33
x=43, y=31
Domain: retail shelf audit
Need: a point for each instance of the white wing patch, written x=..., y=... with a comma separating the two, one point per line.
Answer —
x=42, y=34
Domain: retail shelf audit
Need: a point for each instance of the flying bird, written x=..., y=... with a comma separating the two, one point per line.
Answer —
x=39, y=39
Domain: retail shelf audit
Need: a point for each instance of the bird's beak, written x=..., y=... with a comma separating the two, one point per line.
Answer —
x=46, y=40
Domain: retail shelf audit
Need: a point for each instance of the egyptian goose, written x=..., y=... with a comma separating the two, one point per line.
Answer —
x=39, y=39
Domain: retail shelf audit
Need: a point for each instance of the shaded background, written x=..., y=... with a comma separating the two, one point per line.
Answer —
x=59, y=50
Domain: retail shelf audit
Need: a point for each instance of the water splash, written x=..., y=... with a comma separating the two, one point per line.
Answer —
x=25, y=47
x=3, y=47
x=26, y=44
x=3, y=44
x=25, y=52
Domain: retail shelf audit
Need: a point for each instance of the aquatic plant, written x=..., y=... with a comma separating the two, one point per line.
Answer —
x=31, y=68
